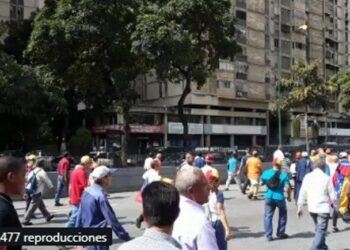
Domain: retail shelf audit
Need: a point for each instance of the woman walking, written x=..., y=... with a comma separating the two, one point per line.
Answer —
x=215, y=210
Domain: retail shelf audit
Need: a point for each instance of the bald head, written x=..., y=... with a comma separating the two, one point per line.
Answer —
x=191, y=183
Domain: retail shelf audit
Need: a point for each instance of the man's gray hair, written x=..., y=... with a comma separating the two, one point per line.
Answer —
x=321, y=164
x=187, y=178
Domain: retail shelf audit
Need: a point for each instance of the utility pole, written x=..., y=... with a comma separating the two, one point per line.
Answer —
x=279, y=62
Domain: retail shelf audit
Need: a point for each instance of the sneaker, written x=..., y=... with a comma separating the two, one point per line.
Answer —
x=255, y=198
x=250, y=196
x=27, y=223
x=335, y=229
x=283, y=236
x=58, y=205
x=48, y=219
x=269, y=239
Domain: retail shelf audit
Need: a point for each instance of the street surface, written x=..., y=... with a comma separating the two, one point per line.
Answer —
x=245, y=216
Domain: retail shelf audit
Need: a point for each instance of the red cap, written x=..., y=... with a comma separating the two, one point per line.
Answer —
x=209, y=158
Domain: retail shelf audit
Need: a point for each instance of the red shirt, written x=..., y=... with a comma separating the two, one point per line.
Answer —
x=63, y=166
x=78, y=182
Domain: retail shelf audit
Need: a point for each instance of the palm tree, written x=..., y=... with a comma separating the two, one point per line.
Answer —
x=306, y=88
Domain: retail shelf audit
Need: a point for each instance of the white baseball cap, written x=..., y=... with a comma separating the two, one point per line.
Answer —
x=343, y=155
x=102, y=171
x=304, y=154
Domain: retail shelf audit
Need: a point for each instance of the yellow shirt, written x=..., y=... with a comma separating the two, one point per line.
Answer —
x=254, y=168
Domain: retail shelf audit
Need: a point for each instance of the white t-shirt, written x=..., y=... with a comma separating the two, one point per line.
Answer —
x=211, y=207
x=150, y=176
x=148, y=163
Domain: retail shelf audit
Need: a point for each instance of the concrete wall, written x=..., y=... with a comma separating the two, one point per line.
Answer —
x=130, y=179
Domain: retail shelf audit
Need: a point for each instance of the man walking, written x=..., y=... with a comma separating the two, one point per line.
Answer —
x=243, y=171
x=192, y=229
x=12, y=172
x=160, y=210
x=254, y=165
x=303, y=167
x=37, y=182
x=232, y=171
x=78, y=182
x=317, y=191
x=62, y=177
x=95, y=210
x=189, y=160
x=276, y=182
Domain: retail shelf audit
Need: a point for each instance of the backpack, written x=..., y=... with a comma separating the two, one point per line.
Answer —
x=32, y=185
x=274, y=181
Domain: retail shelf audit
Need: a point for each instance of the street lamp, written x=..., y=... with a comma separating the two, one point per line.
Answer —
x=304, y=28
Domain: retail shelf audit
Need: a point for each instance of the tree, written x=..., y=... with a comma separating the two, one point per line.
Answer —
x=341, y=83
x=86, y=46
x=26, y=101
x=17, y=37
x=305, y=89
x=183, y=40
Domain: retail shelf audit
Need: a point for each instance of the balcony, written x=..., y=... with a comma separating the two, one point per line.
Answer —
x=225, y=93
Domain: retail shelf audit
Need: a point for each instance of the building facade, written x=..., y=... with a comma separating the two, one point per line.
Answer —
x=16, y=10
x=233, y=108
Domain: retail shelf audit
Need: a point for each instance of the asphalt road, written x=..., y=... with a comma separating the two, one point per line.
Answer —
x=245, y=217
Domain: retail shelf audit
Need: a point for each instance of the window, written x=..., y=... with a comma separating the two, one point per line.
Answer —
x=285, y=28
x=226, y=65
x=285, y=15
x=16, y=10
x=285, y=47
x=260, y=122
x=241, y=76
x=299, y=45
x=224, y=84
x=285, y=62
x=276, y=43
x=241, y=17
x=267, y=41
x=241, y=91
x=243, y=121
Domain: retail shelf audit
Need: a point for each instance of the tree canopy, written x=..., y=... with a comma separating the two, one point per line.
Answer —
x=183, y=40
x=341, y=82
x=305, y=88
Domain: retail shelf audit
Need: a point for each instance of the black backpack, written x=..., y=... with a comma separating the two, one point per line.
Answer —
x=274, y=181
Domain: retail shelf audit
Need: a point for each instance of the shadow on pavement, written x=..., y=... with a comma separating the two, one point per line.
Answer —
x=302, y=235
x=244, y=232
x=116, y=198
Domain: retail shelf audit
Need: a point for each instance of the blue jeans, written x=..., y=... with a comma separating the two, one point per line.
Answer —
x=73, y=217
x=220, y=234
x=60, y=186
x=321, y=223
x=270, y=207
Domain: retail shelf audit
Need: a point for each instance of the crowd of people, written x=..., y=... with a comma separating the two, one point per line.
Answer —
x=189, y=211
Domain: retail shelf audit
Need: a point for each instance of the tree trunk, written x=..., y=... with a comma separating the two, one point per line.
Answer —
x=63, y=142
x=125, y=138
x=180, y=106
x=306, y=130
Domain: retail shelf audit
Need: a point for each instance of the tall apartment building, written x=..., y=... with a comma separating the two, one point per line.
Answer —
x=16, y=10
x=233, y=107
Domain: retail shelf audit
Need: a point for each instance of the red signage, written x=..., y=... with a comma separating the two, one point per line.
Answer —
x=134, y=129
